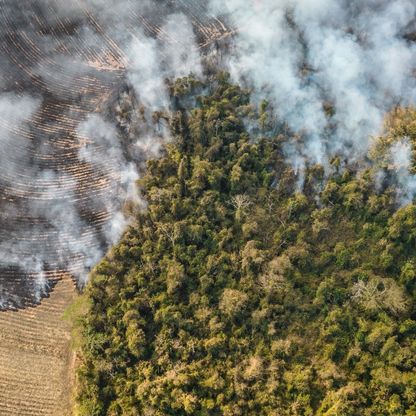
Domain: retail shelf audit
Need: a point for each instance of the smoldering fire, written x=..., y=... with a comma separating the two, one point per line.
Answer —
x=65, y=170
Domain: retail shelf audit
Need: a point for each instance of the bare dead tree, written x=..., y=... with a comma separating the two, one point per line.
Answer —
x=241, y=202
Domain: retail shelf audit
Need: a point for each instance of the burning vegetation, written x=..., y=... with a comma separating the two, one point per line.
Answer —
x=247, y=171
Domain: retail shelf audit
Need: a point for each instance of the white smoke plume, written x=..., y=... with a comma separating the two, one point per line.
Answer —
x=151, y=61
x=105, y=154
x=302, y=54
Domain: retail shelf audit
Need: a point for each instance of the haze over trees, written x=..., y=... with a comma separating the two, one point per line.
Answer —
x=238, y=291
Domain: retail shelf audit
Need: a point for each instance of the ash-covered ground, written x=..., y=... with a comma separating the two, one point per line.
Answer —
x=68, y=158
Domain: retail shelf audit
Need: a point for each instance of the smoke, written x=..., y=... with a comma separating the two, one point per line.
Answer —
x=182, y=56
x=41, y=285
x=143, y=73
x=80, y=82
x=332, y=69
x=79, y=86
x=400, y=154
x=105, y=153
x=151, y=62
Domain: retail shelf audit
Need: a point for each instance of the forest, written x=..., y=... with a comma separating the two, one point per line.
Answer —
x=237, y=291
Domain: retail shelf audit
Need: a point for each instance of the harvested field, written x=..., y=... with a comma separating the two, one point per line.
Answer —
x=35, y=358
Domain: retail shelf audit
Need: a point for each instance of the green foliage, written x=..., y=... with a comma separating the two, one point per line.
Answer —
x=233, y=294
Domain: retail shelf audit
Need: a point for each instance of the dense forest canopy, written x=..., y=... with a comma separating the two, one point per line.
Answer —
x=238, y=291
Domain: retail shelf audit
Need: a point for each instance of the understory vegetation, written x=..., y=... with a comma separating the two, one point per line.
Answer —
x=239, y=292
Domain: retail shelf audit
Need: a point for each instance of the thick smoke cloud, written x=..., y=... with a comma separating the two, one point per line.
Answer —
x=350, y=55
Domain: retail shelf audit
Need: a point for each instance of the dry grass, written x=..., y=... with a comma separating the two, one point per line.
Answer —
x=36, y=362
